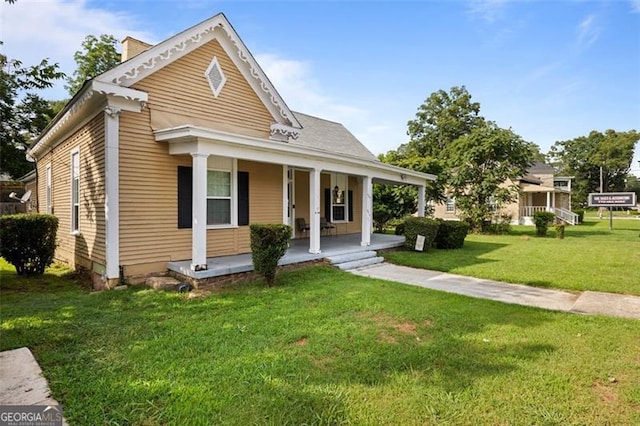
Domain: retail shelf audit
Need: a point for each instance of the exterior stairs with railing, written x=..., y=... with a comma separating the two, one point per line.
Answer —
x=566, y=215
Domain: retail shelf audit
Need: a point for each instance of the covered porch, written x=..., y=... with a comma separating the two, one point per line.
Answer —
x=303, y=181
x=539, y=198
x=298, y=252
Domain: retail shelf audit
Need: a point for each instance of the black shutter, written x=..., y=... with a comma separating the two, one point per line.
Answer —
x=327, y=204
x=243, y=198
x=185, y=203
x=350, y=205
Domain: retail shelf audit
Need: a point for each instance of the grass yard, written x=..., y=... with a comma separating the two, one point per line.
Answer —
x=324, y=347
x=590, y=257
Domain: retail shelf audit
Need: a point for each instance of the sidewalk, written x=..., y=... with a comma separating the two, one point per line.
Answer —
x=22, y=382
x=588, y=302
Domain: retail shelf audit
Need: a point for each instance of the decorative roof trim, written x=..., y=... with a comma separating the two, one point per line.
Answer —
x=282, y=132
x=217, y=27
x=120, y=92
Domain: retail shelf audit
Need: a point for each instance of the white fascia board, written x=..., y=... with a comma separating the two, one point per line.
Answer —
x=85, y=104
x=190, y=139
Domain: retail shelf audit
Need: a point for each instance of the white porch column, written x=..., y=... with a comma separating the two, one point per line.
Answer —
x=548, y=201
x=421, y=201
x=112, y=192
x=367, y=210
x=285, y=195
x=314, y=211
x=199, y=213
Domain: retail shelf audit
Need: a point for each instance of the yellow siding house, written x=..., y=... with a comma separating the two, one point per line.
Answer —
x=170, y=156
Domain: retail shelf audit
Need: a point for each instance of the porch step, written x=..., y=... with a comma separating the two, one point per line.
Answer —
x=355, y=260
x=350, y=257
x=355, y=264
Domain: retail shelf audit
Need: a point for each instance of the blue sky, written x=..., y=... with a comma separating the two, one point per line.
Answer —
x=550, y=70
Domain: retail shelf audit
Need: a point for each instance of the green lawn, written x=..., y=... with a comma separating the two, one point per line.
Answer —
x=322, y=347
x=590, y=257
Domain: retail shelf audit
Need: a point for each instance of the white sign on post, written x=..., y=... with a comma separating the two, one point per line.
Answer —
x=420, y=243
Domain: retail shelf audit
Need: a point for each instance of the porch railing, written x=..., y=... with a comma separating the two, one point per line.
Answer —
x=530, y=210
x=563, y=214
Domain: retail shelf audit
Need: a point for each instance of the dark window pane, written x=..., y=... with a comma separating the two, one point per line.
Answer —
x=218, y=212
x=338, y=213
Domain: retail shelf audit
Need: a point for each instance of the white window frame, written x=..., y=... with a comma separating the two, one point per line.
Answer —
x=345, y=196
x=75, y=213
x=48, y=189
x=450, y=204
x=233, y=198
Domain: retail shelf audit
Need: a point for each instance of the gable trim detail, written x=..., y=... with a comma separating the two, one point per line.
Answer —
x=215, y=28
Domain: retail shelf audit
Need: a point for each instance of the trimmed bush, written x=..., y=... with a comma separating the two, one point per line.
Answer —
x=542, y=221
x=500, y=225
x=415, y=226
x=28, y=241
x=451, y=234
x=580, y=214
x=268, y=244
x=560, y=231
x=399, y=229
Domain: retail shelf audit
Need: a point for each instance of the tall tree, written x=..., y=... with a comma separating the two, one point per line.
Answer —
x=585, y=157
x=440, y=120
x=23, y=113
x=98, y=55
x=480, y=163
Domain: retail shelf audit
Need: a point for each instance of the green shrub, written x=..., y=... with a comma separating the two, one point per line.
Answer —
x=500, y=225
x=560, y=230
x=451, y=234
x=542, y=221
x=28, y=241
x=415, y=226
x=580, y=214
x=268, y=244
x=399, y=229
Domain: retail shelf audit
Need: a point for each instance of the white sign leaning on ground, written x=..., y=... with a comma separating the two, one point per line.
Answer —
x=420, y=243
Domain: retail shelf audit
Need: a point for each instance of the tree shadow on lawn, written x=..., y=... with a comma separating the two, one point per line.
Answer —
x=445, y=260
x=164, y=357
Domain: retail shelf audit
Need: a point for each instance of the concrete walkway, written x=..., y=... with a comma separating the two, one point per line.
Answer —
x=21, y=380
x=588, y=302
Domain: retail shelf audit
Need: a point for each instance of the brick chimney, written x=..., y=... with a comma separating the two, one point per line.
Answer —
x=132, y=47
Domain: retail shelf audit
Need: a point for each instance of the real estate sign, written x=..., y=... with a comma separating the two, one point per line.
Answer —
x=612, y=199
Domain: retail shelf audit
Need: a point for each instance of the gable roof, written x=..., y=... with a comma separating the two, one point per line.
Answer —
x=330, y=136
x=217, y=27
x=540, y=168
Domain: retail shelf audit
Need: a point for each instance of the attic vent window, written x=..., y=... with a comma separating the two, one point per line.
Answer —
x=215, y=77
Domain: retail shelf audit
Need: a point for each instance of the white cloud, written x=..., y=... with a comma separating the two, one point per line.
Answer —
x=55, y=29
x=588, y=32
x=295, y=82
x=487, y=10
x=635, y=6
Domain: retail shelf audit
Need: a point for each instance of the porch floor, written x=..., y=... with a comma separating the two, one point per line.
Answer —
x=298, y=252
